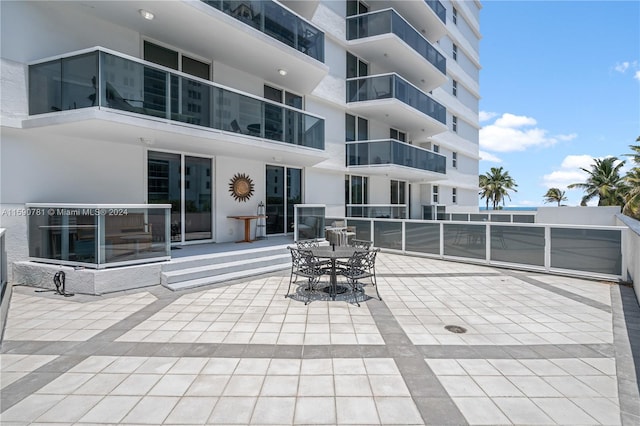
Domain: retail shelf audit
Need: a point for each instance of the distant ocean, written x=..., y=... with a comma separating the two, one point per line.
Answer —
x=511, y=209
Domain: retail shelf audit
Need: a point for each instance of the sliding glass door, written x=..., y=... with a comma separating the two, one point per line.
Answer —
x=284, y=190
x=184, y=182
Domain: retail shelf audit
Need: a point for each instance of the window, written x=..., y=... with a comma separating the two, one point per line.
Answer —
x=454, y=88
x=436, y=148
x=454, y=17
x=355, y=7
x=356, y=128
x=454, y=124
x=356, y=189
x=356, y=67
x=398, y=193
x=435, y=193
x=175, y=60
x=282, y=97
x=454, y=195
x=454, y=160
x=455, y=52
x=397, y=135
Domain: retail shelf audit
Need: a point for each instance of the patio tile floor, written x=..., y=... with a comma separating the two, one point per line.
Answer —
x=539, y=349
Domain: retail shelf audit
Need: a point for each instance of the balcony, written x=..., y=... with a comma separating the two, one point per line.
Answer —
x=389, y=41
x=258, y=37
x=429, y=17
x=104, y=80
x=277, y=22
x=393, y=100
x=396, y=159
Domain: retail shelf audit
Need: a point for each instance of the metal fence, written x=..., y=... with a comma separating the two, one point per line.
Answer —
x=594, y=251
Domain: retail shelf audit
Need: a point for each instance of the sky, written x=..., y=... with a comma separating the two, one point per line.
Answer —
x=560, y=86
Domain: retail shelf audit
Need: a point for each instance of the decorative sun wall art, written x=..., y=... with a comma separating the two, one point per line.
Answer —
x=241, y=187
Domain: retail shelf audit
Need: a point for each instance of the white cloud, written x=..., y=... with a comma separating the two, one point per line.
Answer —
x=513, y=132
x=515, y=121
x=637, y=75
x=485, y=156
x=569, y=172
x=486, y=116
x=622, y=66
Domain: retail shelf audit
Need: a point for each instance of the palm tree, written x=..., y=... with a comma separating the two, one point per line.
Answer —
x=632, y=179
x=603, y=181
x=494, y=186
x=555, y=195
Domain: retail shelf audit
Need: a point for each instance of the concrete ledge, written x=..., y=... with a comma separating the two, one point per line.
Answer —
x=87, y=281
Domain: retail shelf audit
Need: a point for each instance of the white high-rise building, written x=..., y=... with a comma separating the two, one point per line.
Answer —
x=368, y=108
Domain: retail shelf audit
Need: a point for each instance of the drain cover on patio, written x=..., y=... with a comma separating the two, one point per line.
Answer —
x=455, y=329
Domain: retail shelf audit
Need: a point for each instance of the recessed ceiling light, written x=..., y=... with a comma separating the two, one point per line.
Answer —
x=146, y=14
x=282, y=72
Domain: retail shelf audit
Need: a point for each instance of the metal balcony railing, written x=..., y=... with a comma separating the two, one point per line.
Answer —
x=438, y=8
x=99, y=77
x=388, y=21
x=277, y=22
x=380, y=152
x=392, y=86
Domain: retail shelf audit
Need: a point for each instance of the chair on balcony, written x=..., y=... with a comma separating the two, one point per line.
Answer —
x=361, y=244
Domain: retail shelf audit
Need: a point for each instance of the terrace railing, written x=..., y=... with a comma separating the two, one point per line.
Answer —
x=384, y=152
x=393, y=211
x=276, y=21
x=392, y=86
x=102, y=78
x=593, y=251
x=388, y=21
x=99, y=235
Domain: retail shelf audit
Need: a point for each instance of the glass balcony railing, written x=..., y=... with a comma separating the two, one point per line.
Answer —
x=276, y=21
x=365, y=153
x=392, y=86
x=388, y=21
x=106, y=79
x=393, y=211
x=438, y=8
x=99, y=236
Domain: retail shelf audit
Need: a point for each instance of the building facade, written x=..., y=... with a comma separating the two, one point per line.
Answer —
x=369, y=108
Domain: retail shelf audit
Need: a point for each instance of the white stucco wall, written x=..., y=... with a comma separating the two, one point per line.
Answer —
x=631, y=250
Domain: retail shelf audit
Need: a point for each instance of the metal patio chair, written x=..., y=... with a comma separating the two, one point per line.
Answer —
x=361, y=265
x=305, y=265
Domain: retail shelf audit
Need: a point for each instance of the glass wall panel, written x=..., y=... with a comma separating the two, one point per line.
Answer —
x=311, y=222
x=478, y=217
x=392, y=86
x=522, y=218
x=45, y=90
x=197, y=193
x=394, y=152
x=274, y=20
x=465, y=240
x=130, y=86
x=388, y=21
x=387, y=235
x=96, y=236
x=500, y=218
x=66, y=234
x=422, y=237
x=363, y=229
x=517, y=244
x=590, y=250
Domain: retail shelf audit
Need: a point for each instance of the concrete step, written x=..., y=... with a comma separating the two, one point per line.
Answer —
x=215, y=279
x=246, y=265
x=178, y=264
x=207, y=269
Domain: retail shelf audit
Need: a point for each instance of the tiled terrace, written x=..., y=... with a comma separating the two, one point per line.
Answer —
x=540, y=349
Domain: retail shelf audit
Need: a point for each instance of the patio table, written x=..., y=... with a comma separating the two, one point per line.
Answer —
x=333, y=253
